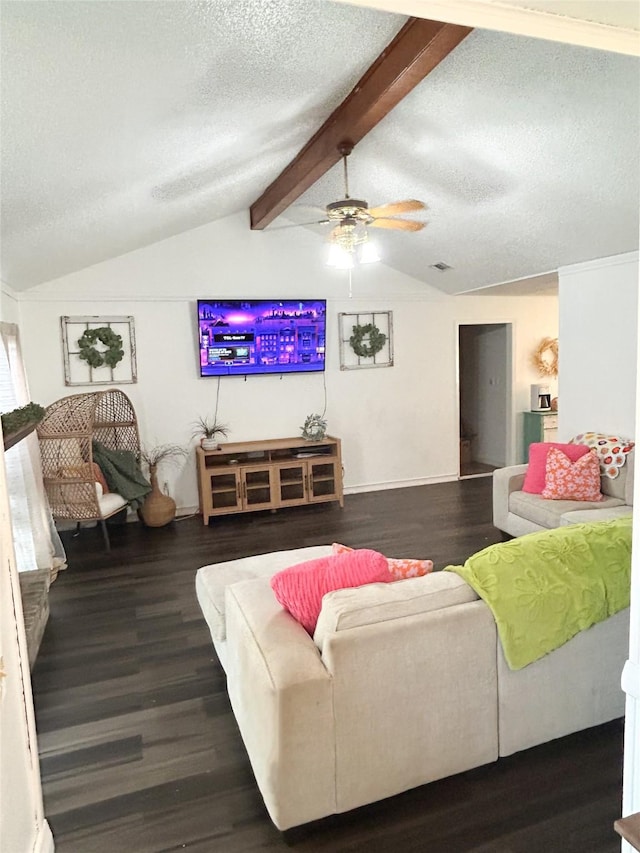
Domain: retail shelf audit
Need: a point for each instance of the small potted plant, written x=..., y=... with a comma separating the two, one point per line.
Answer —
x=208, y=429
x=314, y=428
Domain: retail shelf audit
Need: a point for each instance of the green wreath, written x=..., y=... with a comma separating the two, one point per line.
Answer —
x=96, y=358
x=377, y=340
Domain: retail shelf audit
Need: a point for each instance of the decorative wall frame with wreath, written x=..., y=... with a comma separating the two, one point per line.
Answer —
x=366, y=340
x=98, y=350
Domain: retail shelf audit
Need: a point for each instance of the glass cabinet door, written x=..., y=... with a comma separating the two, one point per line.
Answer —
x=323, y=482
x=292, y=483
x=225, y=491
x=257, y=488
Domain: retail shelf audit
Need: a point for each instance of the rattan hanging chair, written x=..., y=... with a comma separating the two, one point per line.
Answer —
x=65, y=436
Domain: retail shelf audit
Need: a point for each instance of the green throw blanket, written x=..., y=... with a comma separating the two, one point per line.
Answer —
x=122, y=472
x=546, y=587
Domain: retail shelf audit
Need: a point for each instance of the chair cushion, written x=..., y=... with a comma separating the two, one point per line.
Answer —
x=110, y=503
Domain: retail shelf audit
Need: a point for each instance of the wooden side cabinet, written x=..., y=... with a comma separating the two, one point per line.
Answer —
x=538, y=426
x=248, y=476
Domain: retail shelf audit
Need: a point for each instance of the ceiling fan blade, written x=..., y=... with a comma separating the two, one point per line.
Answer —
x=311, y=209
x=396, y=207
x=398, y=224
x=298, y=224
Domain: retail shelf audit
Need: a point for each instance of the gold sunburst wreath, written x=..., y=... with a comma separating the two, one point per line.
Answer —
x=545, y=357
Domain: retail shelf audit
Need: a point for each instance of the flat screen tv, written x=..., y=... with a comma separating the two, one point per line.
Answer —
x=248, y=336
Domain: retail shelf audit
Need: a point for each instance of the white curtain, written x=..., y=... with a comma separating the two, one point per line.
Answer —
x=36, y=540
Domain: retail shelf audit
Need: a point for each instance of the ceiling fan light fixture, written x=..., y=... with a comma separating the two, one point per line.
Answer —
x=368, y=253
x=339, y=257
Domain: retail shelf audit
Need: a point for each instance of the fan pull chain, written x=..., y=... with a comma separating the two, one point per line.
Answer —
x=346, y=177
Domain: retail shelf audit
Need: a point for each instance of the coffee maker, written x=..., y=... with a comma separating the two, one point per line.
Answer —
x=540, y=398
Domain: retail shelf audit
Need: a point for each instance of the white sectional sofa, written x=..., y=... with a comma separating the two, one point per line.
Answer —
x=402, y=684
x=516, y=512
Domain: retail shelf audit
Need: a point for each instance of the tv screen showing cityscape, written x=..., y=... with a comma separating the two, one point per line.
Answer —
x=248, y=336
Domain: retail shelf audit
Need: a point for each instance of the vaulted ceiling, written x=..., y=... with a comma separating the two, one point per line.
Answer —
x=127, y=122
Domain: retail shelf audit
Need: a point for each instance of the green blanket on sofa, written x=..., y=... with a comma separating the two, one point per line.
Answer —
x=546, y=587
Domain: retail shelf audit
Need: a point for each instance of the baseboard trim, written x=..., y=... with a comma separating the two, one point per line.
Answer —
x=399, y=484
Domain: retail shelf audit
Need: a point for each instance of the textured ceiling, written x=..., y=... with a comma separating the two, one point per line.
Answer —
x=127, y=122
x=527, y=153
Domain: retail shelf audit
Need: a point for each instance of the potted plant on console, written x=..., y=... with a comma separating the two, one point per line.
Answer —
x=208, y=430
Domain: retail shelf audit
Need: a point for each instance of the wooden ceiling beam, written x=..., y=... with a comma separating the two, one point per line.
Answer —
x=415, y=51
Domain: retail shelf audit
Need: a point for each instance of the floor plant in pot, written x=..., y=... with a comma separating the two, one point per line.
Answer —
x=207, y=430
x=159, y=509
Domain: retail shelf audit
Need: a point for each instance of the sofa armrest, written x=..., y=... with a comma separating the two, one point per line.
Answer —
x=414, y=699
x=505, y=481
x=282, y=698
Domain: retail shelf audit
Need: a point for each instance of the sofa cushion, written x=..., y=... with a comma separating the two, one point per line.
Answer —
x=535, y=477
x=567, y=480
x=584, y=516
x=211, y=581
x=368, y=605
x=300, y=588
x=400, y=567
x=546, y=513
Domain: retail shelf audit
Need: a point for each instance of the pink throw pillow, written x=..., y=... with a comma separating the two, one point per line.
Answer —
x=299, y=589
x=572, y=481
x=399, y=567
x=534, y=479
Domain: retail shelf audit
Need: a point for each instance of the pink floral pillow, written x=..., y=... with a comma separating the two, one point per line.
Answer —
x=572, y=481
x=399, y=567
x=299, y=589
x=535, y=478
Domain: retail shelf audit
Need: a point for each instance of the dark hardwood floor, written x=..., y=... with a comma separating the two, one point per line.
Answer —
x=140, y=752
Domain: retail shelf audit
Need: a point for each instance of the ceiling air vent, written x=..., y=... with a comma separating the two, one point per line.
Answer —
x=441, y=266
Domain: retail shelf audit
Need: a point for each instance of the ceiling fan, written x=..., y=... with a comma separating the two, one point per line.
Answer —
x=351, y=217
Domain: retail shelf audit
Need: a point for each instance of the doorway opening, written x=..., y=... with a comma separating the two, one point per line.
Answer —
x=484, y=397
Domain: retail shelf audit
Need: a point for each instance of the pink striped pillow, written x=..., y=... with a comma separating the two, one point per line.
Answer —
x=299, y=589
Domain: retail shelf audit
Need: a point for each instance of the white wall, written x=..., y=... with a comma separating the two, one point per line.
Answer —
x=599, y=390
x=399, y=425
x=598, y=307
